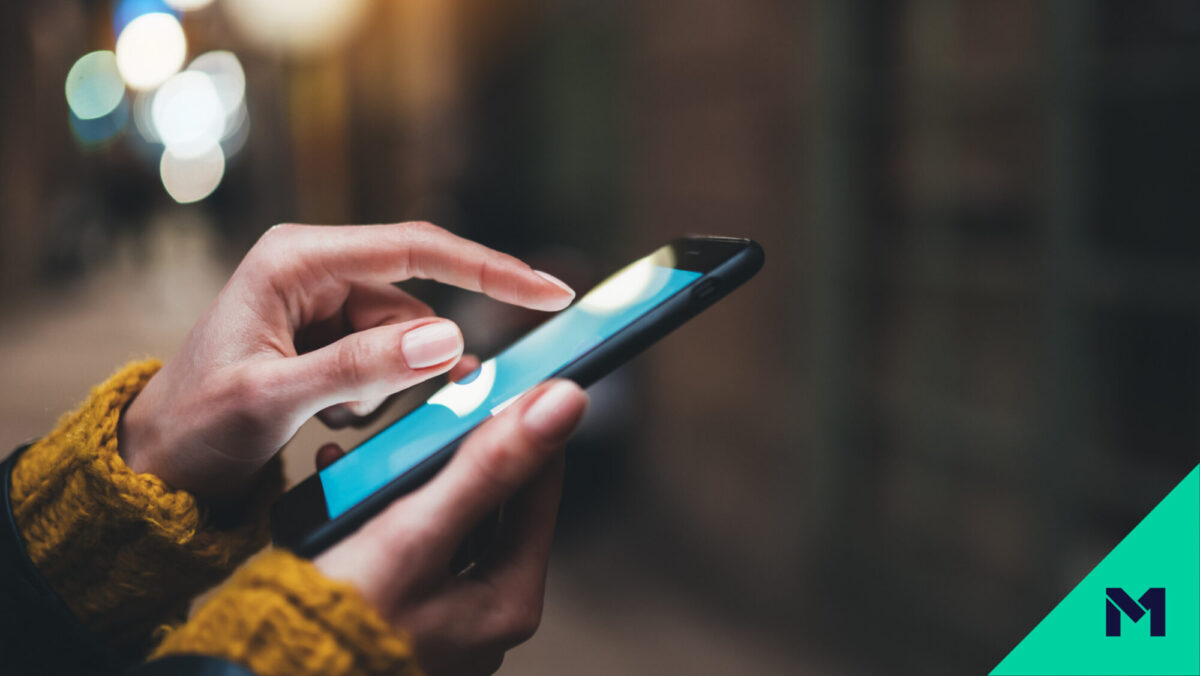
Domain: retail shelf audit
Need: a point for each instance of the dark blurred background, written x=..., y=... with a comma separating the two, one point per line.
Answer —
x=969, y=367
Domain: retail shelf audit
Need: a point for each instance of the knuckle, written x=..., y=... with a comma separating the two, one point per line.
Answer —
x=421, y=235
x=420, y=227
x=351, y=362
x=267, y=254
x=282, y=230
x=484, y=272
x=275, y=234
x=519, y=621
x=250, y=391
x=395, y=532
x=494, y=464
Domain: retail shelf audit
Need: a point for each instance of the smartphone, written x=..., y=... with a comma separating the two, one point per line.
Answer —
x=613, y=322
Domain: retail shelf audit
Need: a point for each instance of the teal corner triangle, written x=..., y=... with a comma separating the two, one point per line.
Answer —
x=1163, y=551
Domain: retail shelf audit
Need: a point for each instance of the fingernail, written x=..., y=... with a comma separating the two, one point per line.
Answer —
x=553, y=416
x=431, y=344
x=555, y=281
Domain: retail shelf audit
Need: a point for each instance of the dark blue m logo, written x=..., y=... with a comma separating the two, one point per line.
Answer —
x=1153, y=602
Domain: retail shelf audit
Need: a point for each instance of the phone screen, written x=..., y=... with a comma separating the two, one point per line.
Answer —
x=458, y=407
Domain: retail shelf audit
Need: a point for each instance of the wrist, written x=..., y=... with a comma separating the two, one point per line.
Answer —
x=79, y=508
x=280, y=615
x=136, y=436
x=147, y=448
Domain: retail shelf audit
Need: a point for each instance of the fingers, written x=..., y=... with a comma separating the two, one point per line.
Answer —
x=506, y=592
x=518, y=571
x=351, y=414
x=369, y=364
x=494, y=462
x=362, y=413
x=333, y=313
x=392, y=253
x=364, y=306
x=465, y=367
x=403, y=553
x=338, y=416
x=327, y=455
x=370, y=305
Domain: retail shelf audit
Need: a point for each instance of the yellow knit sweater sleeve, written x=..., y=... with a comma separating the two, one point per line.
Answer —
x=123, y=550
x=279, y=616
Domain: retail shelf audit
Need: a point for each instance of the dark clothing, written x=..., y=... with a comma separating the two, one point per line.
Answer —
x=40, y=635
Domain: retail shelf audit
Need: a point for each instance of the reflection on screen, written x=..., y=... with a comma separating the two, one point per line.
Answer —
x=458, y=407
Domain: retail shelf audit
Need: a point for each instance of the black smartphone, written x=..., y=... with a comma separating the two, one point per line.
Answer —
x=616, y=320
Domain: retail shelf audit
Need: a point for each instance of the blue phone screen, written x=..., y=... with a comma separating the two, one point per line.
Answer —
x=456, y=408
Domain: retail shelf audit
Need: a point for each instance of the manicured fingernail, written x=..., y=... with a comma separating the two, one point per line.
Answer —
x=431, y=344
x=555, y=281
x=556, y=412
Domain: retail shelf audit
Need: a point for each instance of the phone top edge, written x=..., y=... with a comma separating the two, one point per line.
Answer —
x=706, y=253
x=717, y=238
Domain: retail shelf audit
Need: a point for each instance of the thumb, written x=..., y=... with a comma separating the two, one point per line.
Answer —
x=369, y=364
x=492, y=465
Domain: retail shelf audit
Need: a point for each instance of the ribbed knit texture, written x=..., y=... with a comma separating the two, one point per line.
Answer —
x=280, y=616
x=124, y=551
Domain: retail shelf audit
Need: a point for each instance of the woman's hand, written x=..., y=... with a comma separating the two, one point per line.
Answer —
x=401, y=559
x=309, y=323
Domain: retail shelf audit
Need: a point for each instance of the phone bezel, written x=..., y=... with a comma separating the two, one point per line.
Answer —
x=300, y=519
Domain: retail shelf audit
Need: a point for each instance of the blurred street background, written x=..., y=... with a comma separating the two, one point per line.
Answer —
x=969, y=367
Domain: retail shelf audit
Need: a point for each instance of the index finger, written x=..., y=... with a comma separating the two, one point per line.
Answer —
x=400, y=251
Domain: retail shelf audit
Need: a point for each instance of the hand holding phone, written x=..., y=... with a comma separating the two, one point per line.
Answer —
x=620, y=317
x=400, y=559
x=308, y=321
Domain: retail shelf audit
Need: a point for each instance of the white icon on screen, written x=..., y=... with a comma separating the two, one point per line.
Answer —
x=462, y=398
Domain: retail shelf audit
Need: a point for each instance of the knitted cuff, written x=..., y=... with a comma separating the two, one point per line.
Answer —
x=123, y=550
x=279, y=615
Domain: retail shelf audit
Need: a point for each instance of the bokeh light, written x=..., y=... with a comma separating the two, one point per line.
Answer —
x=295, y=25
x=189, y=5
x=199, y=117
x=143, y=119
x=225, y=71
x=150, y=49
x=98, y=131
x=187, y=114
x=126, y=11
x=191, y=179
x=237, y=132
x=94, y=86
